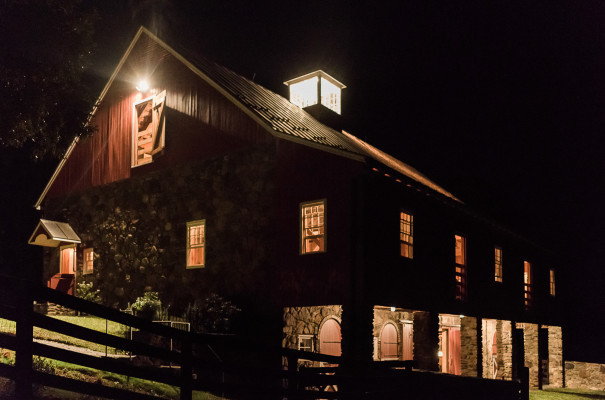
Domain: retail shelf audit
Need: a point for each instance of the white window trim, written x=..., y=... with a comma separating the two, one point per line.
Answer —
x=85, y=271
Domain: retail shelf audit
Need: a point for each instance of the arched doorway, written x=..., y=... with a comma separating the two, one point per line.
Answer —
x=329, y=338
x=389, y=343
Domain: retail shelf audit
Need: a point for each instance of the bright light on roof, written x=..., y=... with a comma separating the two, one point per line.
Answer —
x=143, y=86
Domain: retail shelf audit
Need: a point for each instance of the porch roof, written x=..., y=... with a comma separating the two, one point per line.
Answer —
x=52, y=234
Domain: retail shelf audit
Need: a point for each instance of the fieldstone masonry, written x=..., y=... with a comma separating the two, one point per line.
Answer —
x=530, y=340
x=306, y=321
x=468, y=346
x=583, y=375
x=555, y=356
x=384, y=315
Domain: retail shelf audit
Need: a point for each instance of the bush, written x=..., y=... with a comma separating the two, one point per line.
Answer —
x=213, y=315
x=86, y=292
x=147, y=305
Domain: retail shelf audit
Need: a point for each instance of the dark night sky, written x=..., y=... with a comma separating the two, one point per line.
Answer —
x=500, y=102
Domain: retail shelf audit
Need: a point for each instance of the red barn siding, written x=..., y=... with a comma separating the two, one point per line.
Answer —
x=201, y=123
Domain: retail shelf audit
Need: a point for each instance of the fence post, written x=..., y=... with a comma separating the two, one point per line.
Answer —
x=292, y=377
x=186, y=369
x=25, y=335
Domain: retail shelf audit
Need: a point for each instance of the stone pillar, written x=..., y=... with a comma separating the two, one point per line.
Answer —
x=426, y=340
x=505, y=348
x=468, y=346
x=555, y=356
x=532, y=360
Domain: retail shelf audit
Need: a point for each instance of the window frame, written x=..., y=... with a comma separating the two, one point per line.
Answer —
x=552, y=282
x=528, y=284
x=302, y=337
x=460, y=272
x=409, y=243
x=190, y=224
x=302, y=246
x=88, y=264
x=498, y=263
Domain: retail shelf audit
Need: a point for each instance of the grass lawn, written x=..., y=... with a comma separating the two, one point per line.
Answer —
x=566, y=394
x=97, y=324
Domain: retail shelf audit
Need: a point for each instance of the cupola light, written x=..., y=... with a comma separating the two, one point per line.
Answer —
x=316, y=88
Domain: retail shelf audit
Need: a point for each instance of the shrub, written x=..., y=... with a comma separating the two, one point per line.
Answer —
x=147, y=305
x=86, y=292
x=213, y=315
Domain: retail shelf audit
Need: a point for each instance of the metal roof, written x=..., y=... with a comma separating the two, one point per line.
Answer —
x=52, y=234
x=278, y=115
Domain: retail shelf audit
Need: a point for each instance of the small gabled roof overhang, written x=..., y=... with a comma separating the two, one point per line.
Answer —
x=53, y=234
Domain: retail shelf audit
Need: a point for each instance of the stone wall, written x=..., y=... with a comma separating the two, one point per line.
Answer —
x=137, y=228
x=468, y=346
x=383, y=316
x=555, y=356
x=530, y=340
x=306, y=321
x=583, y=375
x=488, y=327
x=505, y=348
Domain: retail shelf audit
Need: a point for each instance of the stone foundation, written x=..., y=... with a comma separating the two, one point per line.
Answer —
x=306, y=321
x=583, y=375
x=383, y=316
x=468, y=346
x=532, y=360
x=555, y=356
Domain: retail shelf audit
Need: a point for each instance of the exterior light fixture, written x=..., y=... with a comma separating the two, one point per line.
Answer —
x=143, y=86
x=392, y=309
x=461, y=316
x=440, y=354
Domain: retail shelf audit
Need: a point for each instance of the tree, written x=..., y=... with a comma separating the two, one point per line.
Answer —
x=45, y=48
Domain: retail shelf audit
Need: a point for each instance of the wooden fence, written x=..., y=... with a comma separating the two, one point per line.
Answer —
x=222, y=364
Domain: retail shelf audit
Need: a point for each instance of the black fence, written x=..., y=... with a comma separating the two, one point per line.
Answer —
x=222, y=364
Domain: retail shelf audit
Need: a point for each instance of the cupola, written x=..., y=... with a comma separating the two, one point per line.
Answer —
x=320, y=95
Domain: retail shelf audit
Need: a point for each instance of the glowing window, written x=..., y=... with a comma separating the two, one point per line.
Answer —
x=527, y=284
x=148, y=129
x=498, y=264
x=305, y=343
x=89, y=257
x=196, y=243
x=460, y=256
x=552, y=282
x=313, y=227
x=330, y=95
x=406, y=234
x=67, y=259
x=304, y=93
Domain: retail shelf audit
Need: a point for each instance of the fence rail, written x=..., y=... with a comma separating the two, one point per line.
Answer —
x=201, y=368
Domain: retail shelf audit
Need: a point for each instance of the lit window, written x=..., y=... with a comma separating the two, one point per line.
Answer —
x=89, y=257
x=460, y=267
x=330, y=95
x=552, y=282
x=498, y=264
x=196, y=243
x=313, y=227
x=305, y=343
x=406, y=234
x=148, y=129
x=67, y=259
x=527, y=284
x=304, y=93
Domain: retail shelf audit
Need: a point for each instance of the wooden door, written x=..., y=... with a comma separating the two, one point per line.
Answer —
x=407, y=342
